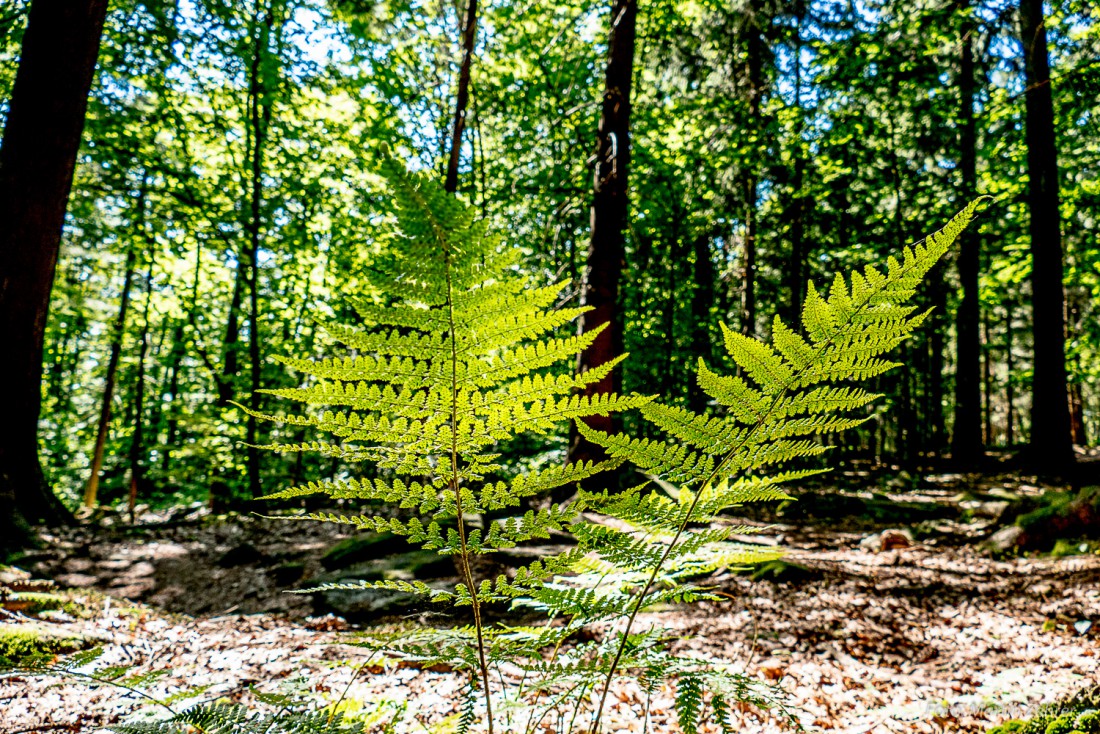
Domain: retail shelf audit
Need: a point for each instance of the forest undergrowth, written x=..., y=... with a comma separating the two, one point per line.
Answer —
x=935, y=635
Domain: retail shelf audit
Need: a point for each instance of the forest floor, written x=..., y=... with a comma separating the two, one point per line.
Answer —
x=864, y=632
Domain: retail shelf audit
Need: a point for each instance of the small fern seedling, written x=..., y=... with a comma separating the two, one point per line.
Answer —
x=456, y=356
x=789, y=393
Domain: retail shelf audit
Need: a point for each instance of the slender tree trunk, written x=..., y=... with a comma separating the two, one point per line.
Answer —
x=37, y=157
x=230, y=351
x=796, y=267
x=462, y=99
x=748, y=259
x=1010, y=387
x=987, y=383
x=604, y=266
x=756, y=49
x=260, y=114
x=702, y=300
x=966, y=441
x=1076, y=400
x=91, y=489
x=171, y=420
x=1051, y=445
x=935, y=368
x=137, y=442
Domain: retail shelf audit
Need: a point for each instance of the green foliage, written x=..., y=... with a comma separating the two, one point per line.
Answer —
x=455, y=354
x=787, y=395
x=1077, y=714
x=26, y=645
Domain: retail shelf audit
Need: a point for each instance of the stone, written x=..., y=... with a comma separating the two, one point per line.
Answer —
x=241, y=555
x=358, y=604
x=362, y=548
x=1006, y=539
x=894, y=539
x=77, y=580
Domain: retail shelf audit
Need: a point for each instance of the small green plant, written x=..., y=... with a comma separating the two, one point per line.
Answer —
x=456, y=354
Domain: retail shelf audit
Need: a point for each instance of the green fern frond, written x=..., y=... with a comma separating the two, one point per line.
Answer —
x=785, y=397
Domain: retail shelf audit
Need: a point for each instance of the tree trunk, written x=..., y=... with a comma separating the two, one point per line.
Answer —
x=137, y=441
x=702, y=299
x=796, y=267
x=1051, y=446
x=934, y=370
x=604, y=266
x=987, y=383
x=1010, y=387
x=37, y=157
x=1076, y=399
x=232, y=338
x=260, y=118
x=469, y=36
x=91, y=489
x=966, y=441
x=169, y=411
x=755, y=49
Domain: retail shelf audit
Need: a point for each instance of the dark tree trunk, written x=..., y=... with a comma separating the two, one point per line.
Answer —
x=260, y=118
x=796, y=267
x=987, y=383
x=1010, y=386
x=230, y=359
x=702, y=299
x=966, y=441
x=755, y=50
x=462, y=99
x=934, y=420
x=604, y=266
x=1076, y=399
x=1051, y=446
x=41, y=139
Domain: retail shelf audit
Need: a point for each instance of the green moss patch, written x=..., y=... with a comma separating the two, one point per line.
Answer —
x=1079, y=714
x=22, y=645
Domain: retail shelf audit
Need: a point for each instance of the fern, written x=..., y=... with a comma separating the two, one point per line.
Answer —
x=788, y=394
x=455, y=352
x=453, y=355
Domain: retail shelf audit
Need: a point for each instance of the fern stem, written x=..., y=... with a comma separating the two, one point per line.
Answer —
x=714, y=474
x=464, y=555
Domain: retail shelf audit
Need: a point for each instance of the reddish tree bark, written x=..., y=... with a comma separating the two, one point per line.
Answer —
x=37, y=158
x=469, y=36
x=604, y=266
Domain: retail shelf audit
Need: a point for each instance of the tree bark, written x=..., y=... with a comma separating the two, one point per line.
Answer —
x=604, y=265
x=37, y=158
x=260, y=119
x=702, y=300
x=91, y=489
x=755, y=50
x=137, y=441
x=796, y=267
x=1010, y=386
x=966, y=440
x=462, y=100
x=1051, y=445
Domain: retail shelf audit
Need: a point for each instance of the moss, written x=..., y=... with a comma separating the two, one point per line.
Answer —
x=23, y=645
x=36, y=602
x=1013, y=726
x=1078, y=714
x=1064, y=547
